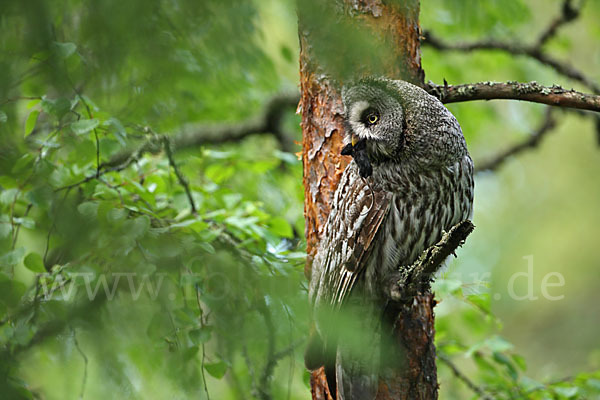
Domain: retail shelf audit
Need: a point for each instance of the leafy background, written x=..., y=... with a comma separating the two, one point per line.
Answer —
x=222, y=311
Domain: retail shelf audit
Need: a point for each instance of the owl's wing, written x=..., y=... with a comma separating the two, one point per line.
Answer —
x=357, y=213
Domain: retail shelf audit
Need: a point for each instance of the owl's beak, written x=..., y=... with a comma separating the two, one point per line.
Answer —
x=349, y=149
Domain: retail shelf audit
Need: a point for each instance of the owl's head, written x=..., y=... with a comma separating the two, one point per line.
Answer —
x=374, y=114
x=400, y=122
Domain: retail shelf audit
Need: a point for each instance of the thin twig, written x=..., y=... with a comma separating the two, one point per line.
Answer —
x=97, y=153
x=470, y=384
x=531, y=142
x=292, y=345
x=229, y=240
x=11, y=99
x=532, y=91
x=202, y=325
x=90, y=115
x=288, y=350
x=263, y=386
x=53, y=226
x=182, y=180
x=13, y=203
x=16, y=234
x=97, y=175
x=568, y=14
x=85, y=361
x=250, y=367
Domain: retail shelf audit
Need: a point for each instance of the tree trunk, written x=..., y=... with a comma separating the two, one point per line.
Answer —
x=394, y=25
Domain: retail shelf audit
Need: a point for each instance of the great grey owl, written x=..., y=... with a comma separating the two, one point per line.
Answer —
x=411, y=179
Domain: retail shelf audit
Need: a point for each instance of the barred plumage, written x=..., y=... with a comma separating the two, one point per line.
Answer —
x=412, y=181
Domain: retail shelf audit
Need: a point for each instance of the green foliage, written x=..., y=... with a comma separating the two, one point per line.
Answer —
x=112, y=287
x=493, y=363
x=107, y=268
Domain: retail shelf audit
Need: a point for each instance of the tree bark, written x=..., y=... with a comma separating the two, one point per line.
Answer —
x=394, y=25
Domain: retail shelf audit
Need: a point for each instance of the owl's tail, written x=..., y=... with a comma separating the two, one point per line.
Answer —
x=350, y=354
x=358, y=356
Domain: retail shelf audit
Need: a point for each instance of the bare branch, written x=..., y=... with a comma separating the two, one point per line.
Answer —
x=535, y=51
x=53, y=328
x=532, y=141
x=568, y=14
x=476, y=389
x=269, y=121
x=415, y=279
x=532, y=91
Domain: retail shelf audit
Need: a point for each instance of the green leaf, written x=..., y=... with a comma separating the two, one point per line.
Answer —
x=25, y=222
x=11, y=292
x=23, y=163
x=184, y=316
x=120, y=132
x=287, y=54
x=288, y=158
x=593, y=383
x=31, y=121
x=447, y=285
x=23, y=333
x=8, y=182
x=40, y=196
x=190, y=353
x=502, y=359
x=12, y=257
x=481, y=301
x=159, y=326
x=207, y=247
x=498, y=344
x=3, y=117
x=138, y=227
x=58, y=107
x=568, y=392
x=88, y=209
x=306, y=378
x=34, y=263
x=65, y=50
x=84, y=126
x=199, y=336
x=530, y=384
x=5, y=229
x=520, y=361
x=217, y=369
x=32, y=103
x=280, y=227
x=8, y=196
x=484, y=365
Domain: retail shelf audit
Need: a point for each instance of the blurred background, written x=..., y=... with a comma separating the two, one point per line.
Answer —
x=134, y=264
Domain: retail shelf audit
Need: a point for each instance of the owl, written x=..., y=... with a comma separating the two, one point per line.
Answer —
x=409, y=181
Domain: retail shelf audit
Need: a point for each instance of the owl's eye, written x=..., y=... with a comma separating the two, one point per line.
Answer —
x=370, y=117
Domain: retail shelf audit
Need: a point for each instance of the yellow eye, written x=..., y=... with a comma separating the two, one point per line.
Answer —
x=372, y=118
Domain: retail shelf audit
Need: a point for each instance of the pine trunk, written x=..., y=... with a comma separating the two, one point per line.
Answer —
x=396, y=24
